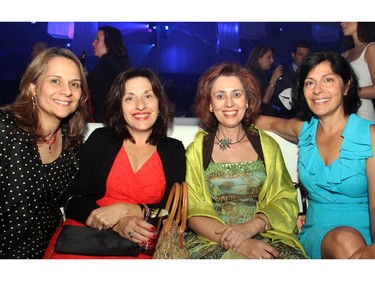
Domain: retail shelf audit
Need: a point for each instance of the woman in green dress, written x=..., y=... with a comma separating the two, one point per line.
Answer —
x=242, y=201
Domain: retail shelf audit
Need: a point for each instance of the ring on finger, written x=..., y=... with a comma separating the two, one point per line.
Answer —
x=100, y=228
x=131, y=234
x=226, y=239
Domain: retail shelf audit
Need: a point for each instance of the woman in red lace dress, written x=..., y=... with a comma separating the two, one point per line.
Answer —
x=129, y=165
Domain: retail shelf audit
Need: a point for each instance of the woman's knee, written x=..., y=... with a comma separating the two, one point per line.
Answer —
x=341, y=242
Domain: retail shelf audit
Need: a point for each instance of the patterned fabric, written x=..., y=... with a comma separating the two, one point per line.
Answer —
x=337, y=193
x=29, y=212
x=277, y=198
x=234, y=189
x=123, y=185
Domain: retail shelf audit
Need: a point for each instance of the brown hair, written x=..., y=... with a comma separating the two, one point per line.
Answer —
x=27, y=118
x=113, y=113
x=203, y=97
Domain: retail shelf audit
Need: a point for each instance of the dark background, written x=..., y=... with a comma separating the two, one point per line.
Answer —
x=180, y=54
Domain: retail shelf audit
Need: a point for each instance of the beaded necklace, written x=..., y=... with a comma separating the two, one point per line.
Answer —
x=51, y=141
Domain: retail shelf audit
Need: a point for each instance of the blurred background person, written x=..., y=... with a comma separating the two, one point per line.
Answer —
x=281, y=100
x=37, y=48
x=41, y=135
x=259, y=62
x=110, y=48
x=362, y=58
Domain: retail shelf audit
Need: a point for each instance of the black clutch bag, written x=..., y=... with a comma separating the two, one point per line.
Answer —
x=84, y=240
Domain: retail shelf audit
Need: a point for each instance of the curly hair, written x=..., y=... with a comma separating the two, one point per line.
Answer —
x=113, y=113
x=203, y=96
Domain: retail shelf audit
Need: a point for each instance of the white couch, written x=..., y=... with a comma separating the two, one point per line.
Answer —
x=184, y=129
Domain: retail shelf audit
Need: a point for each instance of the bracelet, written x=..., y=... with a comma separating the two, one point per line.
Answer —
x=272, y=86
x=265, y=223
x=145, y=210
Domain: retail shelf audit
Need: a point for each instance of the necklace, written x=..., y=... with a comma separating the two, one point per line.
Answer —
x=227, y=142
x=51, y=141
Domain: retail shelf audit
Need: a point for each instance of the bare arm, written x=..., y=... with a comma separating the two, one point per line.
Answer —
x=286, y=128
x=370, y=168
x=206, y=227
x=369, y=91
x=271, y=86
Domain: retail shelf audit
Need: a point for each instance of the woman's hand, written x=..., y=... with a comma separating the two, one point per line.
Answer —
x=257, y=249
x=276, y=74
x=367, y=252
x=233, y=235
x=108, y=216
x=135, y=229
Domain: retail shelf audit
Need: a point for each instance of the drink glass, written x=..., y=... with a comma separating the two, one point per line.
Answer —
x=155, y=220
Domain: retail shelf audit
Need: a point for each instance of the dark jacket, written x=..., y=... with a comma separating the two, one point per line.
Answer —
x=279, y=110
x=96, y=159
x=22, y=185
x=100, y=80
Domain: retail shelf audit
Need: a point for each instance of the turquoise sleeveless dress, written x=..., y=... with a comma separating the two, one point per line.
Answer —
x=337, y=194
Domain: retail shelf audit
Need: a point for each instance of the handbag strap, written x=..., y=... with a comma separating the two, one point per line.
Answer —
x=176, y=206
x=172, y=206
x=184, y=206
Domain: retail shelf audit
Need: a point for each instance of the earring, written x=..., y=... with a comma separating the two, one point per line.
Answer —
x=210, y=108
x=247, y=106
x=33, y=100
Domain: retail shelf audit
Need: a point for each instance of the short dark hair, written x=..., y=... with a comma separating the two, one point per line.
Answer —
x=114, y=116
x=203, y=96
x=301, y=44
x=341, y=67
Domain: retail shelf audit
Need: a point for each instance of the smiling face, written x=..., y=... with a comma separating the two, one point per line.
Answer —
x=58, y=90
x=140, y=105
x=228, y=100
x=324, y=91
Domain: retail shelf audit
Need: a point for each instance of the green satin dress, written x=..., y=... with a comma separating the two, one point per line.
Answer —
x=234, y=189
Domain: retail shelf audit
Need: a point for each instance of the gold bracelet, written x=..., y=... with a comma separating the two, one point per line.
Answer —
x=265, y=223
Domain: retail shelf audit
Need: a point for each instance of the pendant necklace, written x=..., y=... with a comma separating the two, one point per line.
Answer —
x=227, y=142
x=51, y=141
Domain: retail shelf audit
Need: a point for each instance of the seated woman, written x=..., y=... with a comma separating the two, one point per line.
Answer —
x=242, y=201
x=336, y=160
x=130, y=162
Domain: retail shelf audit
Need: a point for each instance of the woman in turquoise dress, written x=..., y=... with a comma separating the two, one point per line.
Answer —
x=336, y=158
x=242, y=201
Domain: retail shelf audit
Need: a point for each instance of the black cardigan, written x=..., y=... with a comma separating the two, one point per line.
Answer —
x=96, y=159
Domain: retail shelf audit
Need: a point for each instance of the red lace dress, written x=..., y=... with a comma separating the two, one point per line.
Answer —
x=147, y=186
